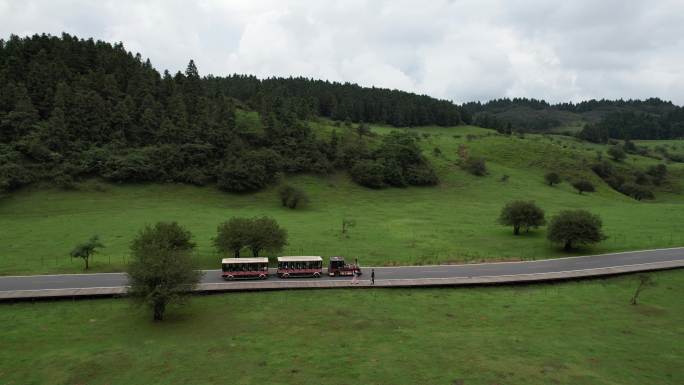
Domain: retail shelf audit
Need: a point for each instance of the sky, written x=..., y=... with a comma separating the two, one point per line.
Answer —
x=460, y=50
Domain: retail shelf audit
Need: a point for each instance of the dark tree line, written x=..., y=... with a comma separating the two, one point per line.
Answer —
x=636, y=125
x=73, y=108
x=340, y=101
x=652, y=118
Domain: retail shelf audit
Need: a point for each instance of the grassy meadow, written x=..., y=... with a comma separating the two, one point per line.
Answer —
x=568, y=333
x=452, y=222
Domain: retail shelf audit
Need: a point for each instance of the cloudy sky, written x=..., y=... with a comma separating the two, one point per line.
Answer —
x=460, y=50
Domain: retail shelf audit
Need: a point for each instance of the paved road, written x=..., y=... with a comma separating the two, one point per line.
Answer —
x=580, y=266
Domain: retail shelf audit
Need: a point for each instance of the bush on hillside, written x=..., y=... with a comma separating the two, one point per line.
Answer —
x=657, y=173
x=552, y=178
x=292, y=197
x=14, y=176
x=641, y=178
x=421, y=175
x=636, y=191
x=368, y=173
x=252, y=172
x=583, y=186
x=475, y=166
x=136, y=166
x=397, y=162
x=617, y=153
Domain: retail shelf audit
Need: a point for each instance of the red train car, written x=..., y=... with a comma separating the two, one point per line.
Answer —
x=237, y=268
x=300, y=267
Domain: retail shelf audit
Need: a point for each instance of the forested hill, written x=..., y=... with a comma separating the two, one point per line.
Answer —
x=73, y=108
x=41, y=62
x=597, y=120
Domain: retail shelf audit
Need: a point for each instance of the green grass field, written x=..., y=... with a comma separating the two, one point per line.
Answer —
x=452, y=222
x=567, y=333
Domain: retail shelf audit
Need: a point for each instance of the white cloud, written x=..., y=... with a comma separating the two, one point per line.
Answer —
x=456, y=49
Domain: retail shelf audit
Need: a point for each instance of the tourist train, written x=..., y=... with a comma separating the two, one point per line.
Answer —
x=299, y=266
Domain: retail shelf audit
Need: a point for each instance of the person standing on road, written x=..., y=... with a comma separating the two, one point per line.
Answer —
x=372, y=277
x=355, y=280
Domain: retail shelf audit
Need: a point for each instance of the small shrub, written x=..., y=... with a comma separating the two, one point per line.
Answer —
x=641, y=178
x=292, y=197
x=552, y=178
x=437, y=152
x=65, y=182
x=421, y=176
x=583, y=185
x=657, y=173
x=368, y=173
x=617, y=153
x=475, y=166
x=636, y=191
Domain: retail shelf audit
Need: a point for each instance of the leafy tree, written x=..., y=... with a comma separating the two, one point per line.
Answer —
x=617, y=153
x=233, y=236
x=266, y=234
x=552, y=178
x=292, y=197
x=162, y=271
x=522, y=215
x=22, y=118
x=583, y=185
x=475, y=166
x=86, y=249
x=572, y=228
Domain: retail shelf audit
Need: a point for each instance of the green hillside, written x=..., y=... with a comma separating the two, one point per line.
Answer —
x=95, y=140
x=454, y=221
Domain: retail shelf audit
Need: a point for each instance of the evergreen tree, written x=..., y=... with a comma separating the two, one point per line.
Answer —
x=22, y=117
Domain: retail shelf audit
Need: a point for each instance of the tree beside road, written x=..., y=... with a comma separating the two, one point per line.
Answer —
x=87, y=249
x=162, y=271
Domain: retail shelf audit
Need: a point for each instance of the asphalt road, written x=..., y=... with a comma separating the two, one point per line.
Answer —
x=634, y=258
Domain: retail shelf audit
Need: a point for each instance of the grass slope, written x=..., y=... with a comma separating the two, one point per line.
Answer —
x=454, y=221
x=570, y=333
